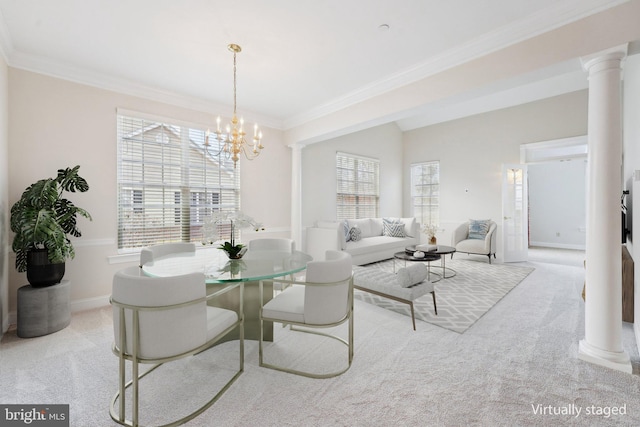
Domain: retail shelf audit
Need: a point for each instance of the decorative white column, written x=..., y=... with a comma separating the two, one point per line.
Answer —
x=296, y=194
x=602, y=344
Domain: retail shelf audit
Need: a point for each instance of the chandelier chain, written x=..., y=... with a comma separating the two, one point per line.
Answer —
x=234, y=84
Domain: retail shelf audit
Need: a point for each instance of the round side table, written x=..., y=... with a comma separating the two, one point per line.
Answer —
x=42, y=311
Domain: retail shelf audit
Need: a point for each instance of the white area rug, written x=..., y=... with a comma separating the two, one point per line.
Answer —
x=461, y=299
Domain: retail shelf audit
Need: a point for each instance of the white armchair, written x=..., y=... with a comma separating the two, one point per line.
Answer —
x=480, y=246
x=158, y=320
x=323, y=300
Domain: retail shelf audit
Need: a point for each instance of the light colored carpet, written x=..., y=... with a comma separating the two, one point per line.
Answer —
x=462, y=299
x=520, y=354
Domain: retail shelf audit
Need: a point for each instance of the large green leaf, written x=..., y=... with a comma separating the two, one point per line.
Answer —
x=43, y=193
x=69, y=180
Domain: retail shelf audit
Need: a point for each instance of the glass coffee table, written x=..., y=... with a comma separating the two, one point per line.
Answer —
x=440, y=251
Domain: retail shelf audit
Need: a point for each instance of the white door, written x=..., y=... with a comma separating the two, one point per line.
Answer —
x=515, y=242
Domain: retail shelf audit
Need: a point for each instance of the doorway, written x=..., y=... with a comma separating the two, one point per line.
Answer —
x=557, y=184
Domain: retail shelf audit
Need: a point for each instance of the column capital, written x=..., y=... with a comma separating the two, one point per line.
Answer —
x=613, y=53
x=297, y=145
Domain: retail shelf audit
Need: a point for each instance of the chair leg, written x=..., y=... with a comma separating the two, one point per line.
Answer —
x=435, y=307
x=413, y=317
x=489, y=258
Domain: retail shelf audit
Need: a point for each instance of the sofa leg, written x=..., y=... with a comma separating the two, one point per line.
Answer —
x=489, y=258
x=435, y=307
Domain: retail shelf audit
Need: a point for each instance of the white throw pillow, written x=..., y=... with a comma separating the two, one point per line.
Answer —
x=376, y=226
x=411, y=275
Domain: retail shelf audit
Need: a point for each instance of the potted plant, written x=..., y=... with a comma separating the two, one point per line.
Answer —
x=237, y=220
x=41, y=220
x=430, y=230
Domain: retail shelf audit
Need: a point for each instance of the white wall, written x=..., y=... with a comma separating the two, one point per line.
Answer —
x=472, y=151
x=557, y=204
x=319, y=171
x=4, y=196
x=57, y=123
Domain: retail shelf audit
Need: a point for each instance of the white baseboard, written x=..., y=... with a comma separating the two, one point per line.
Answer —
x=76, y=306
x=558, y=245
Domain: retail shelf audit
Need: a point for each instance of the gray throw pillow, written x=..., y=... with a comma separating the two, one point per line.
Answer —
x=392, y=228
x=355, y=234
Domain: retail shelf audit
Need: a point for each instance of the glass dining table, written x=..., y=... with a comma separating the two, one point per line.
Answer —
x=218, y=270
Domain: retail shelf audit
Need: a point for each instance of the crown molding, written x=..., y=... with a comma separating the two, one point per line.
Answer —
x=98, y=80
x=560, y=14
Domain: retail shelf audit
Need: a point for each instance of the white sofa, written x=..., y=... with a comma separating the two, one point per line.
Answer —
x=371, y=247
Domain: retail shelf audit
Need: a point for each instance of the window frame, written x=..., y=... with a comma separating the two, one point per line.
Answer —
x=426, y=218
x=162, y=201
x=363, y=201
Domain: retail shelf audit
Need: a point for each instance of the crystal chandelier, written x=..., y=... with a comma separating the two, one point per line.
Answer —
x=232, y=141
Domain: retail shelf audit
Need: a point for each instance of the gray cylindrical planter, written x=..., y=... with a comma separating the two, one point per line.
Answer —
x=42, y=311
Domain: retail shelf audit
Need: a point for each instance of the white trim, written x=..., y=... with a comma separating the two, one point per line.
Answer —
x=558, y=245
x=574, y=147
x=98, y=80
x=79, y=243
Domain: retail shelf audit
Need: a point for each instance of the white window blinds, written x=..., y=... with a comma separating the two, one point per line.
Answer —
x=168, y=183
x=425, y=192
x=358, y=191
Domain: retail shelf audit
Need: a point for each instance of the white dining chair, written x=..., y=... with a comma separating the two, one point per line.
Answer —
x=274, y=244
x=161, y=319
x=323, y=300
x=148, y=254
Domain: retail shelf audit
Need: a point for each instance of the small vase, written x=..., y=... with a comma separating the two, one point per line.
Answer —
x=433, y=240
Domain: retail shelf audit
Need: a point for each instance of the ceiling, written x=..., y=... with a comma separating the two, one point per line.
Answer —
x=300, y=58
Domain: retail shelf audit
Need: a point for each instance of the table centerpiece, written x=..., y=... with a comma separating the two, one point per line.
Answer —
x=237, y=220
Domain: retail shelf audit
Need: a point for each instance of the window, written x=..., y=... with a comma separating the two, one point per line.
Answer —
x=358, y=191
x=425, y=192
x=168, y=184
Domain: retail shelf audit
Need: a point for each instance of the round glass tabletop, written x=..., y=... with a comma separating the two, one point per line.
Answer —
x=217, y=268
